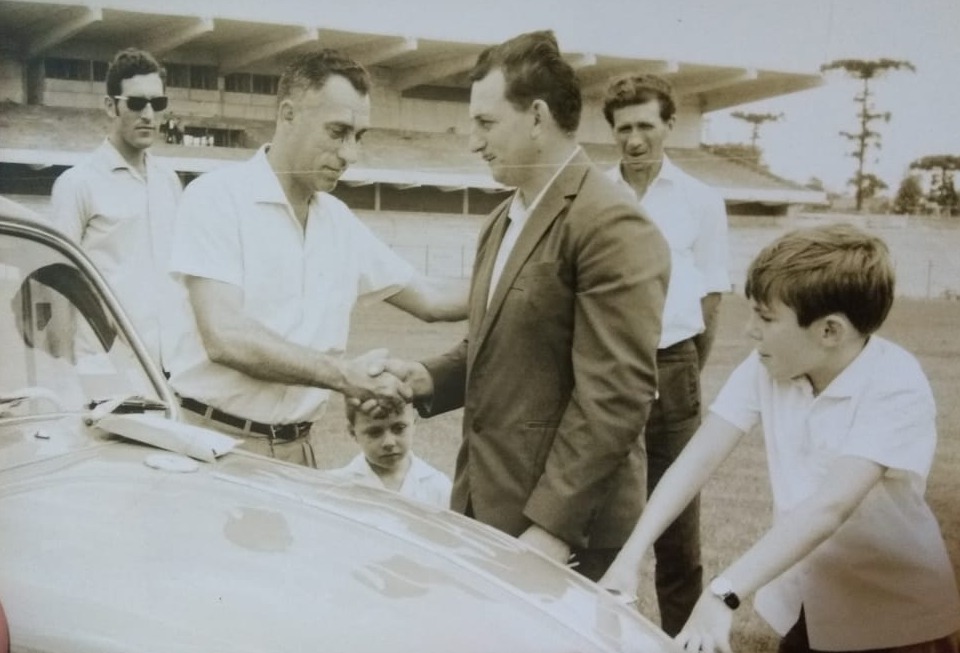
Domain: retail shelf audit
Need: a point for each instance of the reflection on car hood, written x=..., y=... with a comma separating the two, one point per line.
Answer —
x=102, y=552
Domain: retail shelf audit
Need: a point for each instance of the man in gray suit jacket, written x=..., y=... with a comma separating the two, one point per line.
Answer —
x=557, y=372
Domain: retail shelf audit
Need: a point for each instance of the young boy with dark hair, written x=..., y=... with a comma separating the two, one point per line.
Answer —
x=854, y=560
x=387, y=459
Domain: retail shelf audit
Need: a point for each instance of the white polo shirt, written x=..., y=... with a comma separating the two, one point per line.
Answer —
x=124, y=223
x=422, y=483
x=235, y=225
x=884, y=578
x=693, y=220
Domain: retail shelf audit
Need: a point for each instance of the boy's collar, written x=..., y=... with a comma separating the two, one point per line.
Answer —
x=851, y=378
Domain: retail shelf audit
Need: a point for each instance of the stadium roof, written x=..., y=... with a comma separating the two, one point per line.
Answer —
x=247, y=36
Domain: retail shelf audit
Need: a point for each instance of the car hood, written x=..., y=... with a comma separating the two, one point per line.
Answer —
x=119, y=548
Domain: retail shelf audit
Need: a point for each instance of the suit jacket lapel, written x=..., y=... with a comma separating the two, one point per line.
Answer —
x=486, y=256
x=552, y=204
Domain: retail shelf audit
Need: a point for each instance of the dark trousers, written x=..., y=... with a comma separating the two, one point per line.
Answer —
x=796, y=641
x=674, y=418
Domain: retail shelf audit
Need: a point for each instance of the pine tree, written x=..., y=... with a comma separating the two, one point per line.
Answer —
x=866, y=71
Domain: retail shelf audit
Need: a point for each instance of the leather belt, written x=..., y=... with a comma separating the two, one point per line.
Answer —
x=288, y=432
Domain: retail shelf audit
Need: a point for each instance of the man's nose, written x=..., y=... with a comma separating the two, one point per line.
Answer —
x=476, y=143
x=350, y=149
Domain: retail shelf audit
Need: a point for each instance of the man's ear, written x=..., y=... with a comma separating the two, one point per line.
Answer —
x=541, y=114
x=285, y=111
x=110, y=106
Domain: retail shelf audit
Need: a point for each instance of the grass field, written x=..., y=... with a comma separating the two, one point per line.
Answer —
x=736, y=503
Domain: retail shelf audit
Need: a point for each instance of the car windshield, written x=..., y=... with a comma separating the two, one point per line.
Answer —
x=61, y=350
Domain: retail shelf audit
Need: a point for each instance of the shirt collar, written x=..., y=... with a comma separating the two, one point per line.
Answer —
x=264, y=184
x=360, y=467
x=111, y=156
x=851, y=379
x=418, y=469
x=517, y=212
x=668, y=172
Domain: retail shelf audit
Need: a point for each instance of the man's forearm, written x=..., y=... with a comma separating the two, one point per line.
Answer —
x=710, y=307
x=261, y=354
x=434, y=300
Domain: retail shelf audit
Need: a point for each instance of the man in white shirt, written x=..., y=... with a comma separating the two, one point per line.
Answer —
x=641, y=112
x=120, y=202
x=274, y=265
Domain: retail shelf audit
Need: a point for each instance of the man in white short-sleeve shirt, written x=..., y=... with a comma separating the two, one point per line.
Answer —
x=691, y=216
x=120, y=202
x=274, y=265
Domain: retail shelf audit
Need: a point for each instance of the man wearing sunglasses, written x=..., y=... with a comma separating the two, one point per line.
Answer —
x=120, y=202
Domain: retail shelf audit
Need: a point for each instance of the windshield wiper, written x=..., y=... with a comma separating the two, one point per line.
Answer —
x=123, y=405
x=13, y=400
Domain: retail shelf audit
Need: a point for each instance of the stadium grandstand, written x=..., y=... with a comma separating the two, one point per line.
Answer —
x=222, y=76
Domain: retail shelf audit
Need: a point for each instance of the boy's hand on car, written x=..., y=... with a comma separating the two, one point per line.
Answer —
x=708, y=628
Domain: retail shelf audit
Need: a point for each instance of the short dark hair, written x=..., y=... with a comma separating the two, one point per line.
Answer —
x=822, y=270
x=311, y=71
x=534, y=70
x=632, y=89
x=130, y=63
x=351, y=411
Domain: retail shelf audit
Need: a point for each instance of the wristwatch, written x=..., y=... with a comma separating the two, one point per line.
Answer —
x=721, y=588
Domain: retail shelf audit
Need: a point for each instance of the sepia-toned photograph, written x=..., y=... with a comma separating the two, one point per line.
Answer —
x=493, y=327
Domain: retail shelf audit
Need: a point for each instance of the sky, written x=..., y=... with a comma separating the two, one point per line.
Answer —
x=793, y=35
x=925, y=105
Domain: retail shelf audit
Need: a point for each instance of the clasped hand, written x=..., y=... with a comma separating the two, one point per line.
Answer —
x=369, y=384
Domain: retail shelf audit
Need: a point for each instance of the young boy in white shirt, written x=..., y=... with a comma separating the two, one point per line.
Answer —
x=854, y=560
x=386, y=459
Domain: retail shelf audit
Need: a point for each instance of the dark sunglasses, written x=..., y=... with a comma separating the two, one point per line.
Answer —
x=138, y=103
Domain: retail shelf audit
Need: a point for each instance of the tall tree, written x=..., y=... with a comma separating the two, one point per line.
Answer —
x=866, y=70
x=870, y=185
x=943, y=193
x=756, y=120
x=908, y=197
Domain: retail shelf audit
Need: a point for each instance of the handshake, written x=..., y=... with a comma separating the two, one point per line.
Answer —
x=379, y=385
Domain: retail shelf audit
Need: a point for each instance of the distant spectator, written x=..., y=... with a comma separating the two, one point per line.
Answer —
x=120, y=202
x=387, y=459
x=173, y=129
